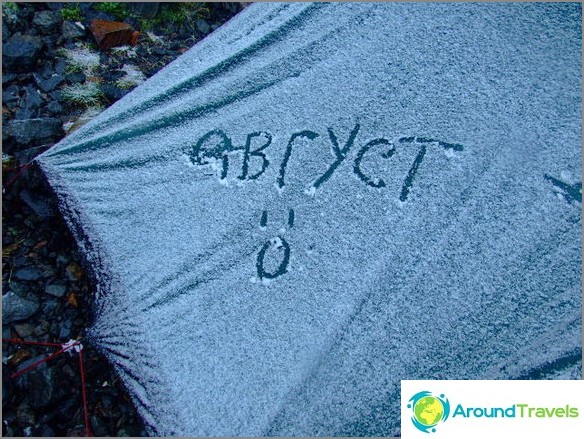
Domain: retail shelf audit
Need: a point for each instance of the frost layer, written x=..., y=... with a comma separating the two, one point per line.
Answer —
x=319, y=200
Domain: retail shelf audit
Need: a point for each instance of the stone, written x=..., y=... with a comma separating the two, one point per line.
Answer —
x=25, y=113
x=110, y=34
x=11, y=94
x=50, y=42
x=72, y=31
x=43, y=384
x=23, y=413
x=40, y=206
x=21, y=52
x=203, y=26
x=62, y=260
x=45, y=431
x=112, y=92
x=28, y=130
x=29, y=274
x=29, y=103
x=56, y=289
x=15, y=308
x=60, y=66
x=50, y=83
x=55, y=108
x=46, y=21
x=19, y=288
x=8, y=77
x=50, y=306
x=65, y=333
x=98, y=425
x=45, y=69
x=24, y=330
x=55, y=6
x=32, y=97
x=145, y=9
x=113, y=75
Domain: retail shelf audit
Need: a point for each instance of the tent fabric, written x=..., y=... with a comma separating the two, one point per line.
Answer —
x=319, y=200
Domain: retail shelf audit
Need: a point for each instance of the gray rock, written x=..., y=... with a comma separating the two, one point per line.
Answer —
x=43, y=384
x=50, y=306
x=25, y=113
x=56, y=289
x=60, y=66
x=45, y=68
x=54, y=108
x=65, y=333
x=11, y=94
x=46, y=21
x=98, y=425
x=50, y=83
x=40, y=206
x=19, y=288
x=112, y=92
x=32, y=99
x=45, y=431
x=25, y=131
x=7, y=77
x=203, y=26
x=144, y=9
x=24, y=329
x=62, y=260
x=29, y=274
x=71, y=30
x=24, y=414
x=21, y=52
x=15, y=308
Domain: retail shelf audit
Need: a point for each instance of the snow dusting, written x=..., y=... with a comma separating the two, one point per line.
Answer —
x=320, y=200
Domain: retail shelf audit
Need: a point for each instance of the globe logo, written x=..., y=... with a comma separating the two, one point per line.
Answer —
x=428, y=410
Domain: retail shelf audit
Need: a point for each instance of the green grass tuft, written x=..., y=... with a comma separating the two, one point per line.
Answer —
x=86, y=95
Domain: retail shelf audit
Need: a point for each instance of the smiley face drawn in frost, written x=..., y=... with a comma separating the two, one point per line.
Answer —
x=278, y=244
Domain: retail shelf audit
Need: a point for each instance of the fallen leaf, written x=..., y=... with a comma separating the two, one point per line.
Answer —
x=40, y=245
x=19, y=357
x=74, y=271
x=7, y=251
x=72, y=300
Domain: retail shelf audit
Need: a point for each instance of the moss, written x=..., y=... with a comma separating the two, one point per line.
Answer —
x=9, y=7
x=9, y=12
x=118, y=10
x=179, y=14
x=72, y=12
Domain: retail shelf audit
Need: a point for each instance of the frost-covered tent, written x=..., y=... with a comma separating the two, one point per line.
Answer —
x=319, y=200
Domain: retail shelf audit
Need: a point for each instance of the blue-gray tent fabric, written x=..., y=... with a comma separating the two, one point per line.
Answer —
x=319, y=200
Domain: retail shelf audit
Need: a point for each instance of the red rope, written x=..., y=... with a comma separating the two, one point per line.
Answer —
x=63, y=348
x=37, y=343
x=22, y=169
x=84, y=394
x=36, y=363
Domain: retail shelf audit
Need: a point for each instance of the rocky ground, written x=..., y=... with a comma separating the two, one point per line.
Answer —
x=55, y=79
